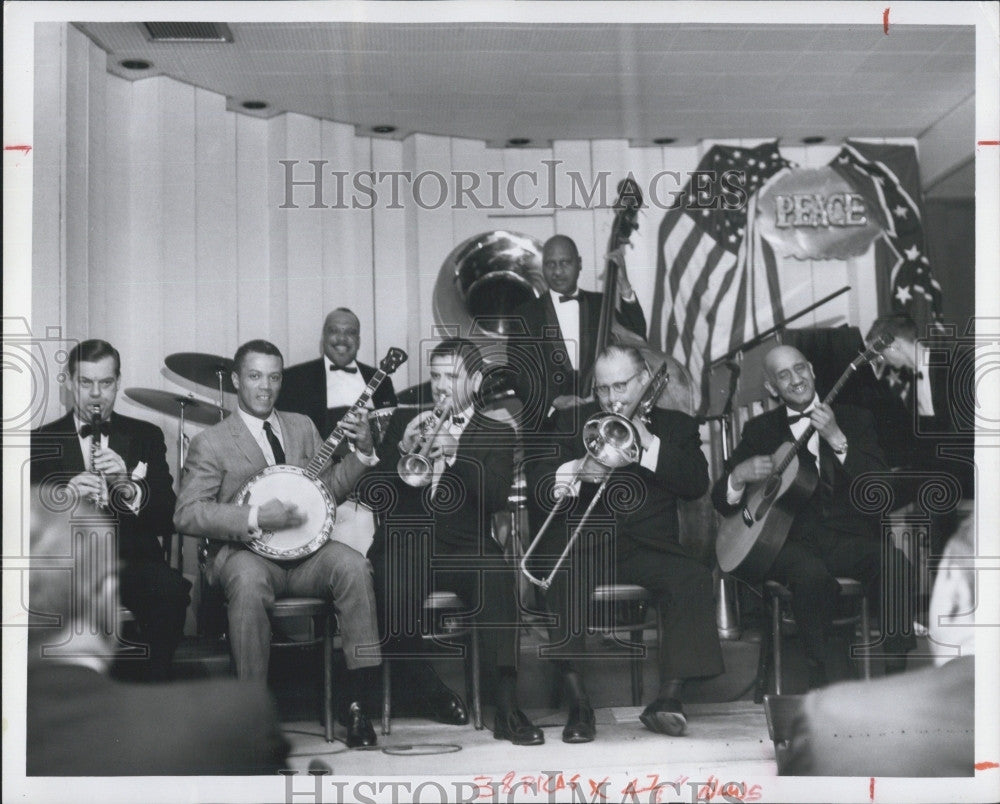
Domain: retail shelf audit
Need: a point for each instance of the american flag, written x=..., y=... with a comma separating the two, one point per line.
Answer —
x=716, y=277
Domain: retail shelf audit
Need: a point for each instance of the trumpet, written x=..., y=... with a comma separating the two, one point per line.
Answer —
x=415, y=468
x=612, y=441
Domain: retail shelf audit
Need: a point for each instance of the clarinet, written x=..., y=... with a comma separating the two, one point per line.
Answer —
x=100, y=499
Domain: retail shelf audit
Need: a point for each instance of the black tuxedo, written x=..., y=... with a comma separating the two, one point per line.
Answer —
x=303, y=390
x=82, y=723
x=156, y=594
x=427, y=541
x=539, y=319
x=911, y=441
x=639, y=512
x=830, y=536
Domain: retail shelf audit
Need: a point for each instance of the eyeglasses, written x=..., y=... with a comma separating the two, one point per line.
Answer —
x=618, y=387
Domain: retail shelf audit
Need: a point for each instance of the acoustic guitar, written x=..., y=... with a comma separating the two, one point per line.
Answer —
x=749, y=540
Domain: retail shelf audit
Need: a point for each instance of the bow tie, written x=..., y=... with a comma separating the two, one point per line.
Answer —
x=797, y=417
x=348, y=369
x=568, y=298
x=104, y=428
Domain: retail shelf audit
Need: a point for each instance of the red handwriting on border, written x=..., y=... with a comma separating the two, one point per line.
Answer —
x=885, y=21
x=988, y=142
x=986, y=765
x=871, y=788
x=730, y=791
x=25, y=149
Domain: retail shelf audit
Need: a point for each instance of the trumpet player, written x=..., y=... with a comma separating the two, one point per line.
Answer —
x=101, y=456
x=639, y=545
x=456, y=468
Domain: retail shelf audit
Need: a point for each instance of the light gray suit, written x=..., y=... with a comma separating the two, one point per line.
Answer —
x=219, y=461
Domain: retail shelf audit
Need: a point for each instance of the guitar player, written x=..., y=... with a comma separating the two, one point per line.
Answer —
x=829, y=536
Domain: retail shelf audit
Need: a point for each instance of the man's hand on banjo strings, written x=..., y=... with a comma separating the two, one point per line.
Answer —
x=276, y=515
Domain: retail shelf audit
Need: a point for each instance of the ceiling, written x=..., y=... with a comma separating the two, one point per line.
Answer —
x=497, y=81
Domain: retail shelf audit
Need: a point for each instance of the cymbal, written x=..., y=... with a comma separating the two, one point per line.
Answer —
x=195, y=410
x=202, y=369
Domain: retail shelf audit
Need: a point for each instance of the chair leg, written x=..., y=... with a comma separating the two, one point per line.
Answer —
x=635, y=665
x=328, y=716
x=477, y=706
x=386, y=696
x=763, y=665
x=776, y=641
x=866, y=630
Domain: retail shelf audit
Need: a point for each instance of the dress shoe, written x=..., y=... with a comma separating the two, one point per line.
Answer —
x=360, y=733
x=665, y=716
x=581, y=726
x=446, y=707
x=514, y=725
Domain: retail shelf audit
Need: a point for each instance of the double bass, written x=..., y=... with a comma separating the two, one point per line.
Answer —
x=678, y=394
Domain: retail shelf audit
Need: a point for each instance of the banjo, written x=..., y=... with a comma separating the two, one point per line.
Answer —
x=313, y=499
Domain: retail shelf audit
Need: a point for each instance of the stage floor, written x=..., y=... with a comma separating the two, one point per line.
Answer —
x=726, y=740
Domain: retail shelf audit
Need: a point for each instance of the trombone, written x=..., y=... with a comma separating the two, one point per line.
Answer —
x=414, y=468
x=611, y=441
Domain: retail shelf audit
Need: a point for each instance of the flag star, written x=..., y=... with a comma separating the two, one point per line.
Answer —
x=892, y=377
x=751, y=162
x=732, y=238
x=737, y=154
x=912, y=253
x=903, y=294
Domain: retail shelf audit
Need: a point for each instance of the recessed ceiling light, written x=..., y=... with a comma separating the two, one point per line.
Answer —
x=383, y=129
x=518, y=141
x=254, y=106
x=664, y=140
x=813, y=140
x=135, y=64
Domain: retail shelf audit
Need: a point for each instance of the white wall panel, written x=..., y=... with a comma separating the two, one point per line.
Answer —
x=397, y=285
x=215, y=224
x=174, y=228
x=253, y=245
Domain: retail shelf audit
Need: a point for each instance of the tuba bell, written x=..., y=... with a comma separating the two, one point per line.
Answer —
x=484, y=279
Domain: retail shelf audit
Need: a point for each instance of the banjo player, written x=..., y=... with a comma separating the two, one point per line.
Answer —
x=220, y=460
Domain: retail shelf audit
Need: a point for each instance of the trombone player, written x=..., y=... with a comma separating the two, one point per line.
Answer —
x=446, y=475
x=641, y=540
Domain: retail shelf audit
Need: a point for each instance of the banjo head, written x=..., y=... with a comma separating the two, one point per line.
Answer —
x=290, y=484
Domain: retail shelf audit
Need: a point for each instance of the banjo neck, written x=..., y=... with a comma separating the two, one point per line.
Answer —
x=325, y=453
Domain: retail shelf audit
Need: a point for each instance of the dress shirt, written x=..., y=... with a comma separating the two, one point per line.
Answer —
x=256, y=427
x=922, y=379
x=342, y=387
x=455, y=430
x=733, y=496
x=568, y=315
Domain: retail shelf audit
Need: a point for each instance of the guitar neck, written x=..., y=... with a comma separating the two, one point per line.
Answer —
x=325, y=453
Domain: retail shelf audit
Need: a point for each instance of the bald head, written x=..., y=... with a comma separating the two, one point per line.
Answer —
x=561, y=264
x=789, y=375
